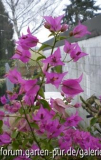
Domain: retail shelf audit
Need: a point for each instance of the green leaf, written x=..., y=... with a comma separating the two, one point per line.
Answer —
x=37, y=75
x=52, y=34
x=25, y=142
x=35, y=107
x=14, y=134
x=43, y=47
x=21, y=111
x=58, y=69
x=34, y=125
x=61, y=37
x=45, y=103
x=40, y=57
x=15, y=145
x=17, y=120
x=93, y=121
x=41, y=93
x=1, y=123
x=1, y=131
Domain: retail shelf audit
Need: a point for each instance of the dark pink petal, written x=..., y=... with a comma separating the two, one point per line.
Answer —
x=3, y=99
x=71, y=87
x=80, y=30
x=76, y=54
x=5, y=138
x=14, y=76
x=27, y=41
x=31, y=87
x=21, y=54
x=55, y=78
x=54, y=59
x=68, y=47
x=53, y=24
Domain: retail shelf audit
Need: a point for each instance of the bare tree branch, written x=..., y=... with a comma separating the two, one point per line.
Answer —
x=23, y=13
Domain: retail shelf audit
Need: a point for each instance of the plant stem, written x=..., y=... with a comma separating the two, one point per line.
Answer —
x=36, y=52
x=64, y=58
x=47, y=67
x=30, y=126
x=37, y=63
x=68, y=61
x=32, y=130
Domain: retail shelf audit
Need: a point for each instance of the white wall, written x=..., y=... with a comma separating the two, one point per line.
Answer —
x=90, y=66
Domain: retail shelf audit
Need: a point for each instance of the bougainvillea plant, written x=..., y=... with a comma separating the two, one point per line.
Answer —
x=32, y=128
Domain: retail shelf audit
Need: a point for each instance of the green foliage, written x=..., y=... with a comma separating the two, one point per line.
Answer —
x=6, y=36
x=80, y=10
x=1, y=123
x=58, y=69
x=2, y=66
x=43, y=47
x=45, y=103
x=41, y=93
x=93, y=121
x=2, y=87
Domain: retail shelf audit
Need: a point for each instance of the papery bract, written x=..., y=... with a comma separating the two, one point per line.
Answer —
x=68, y=47
x=22, y=157
x=54, y=59
x=12, y=96
x=73, y=120
x=72, y=87
x=29, y=100
x=14, y=76
x=65, y=143
x=22, y=86
x=64, y=27
x=27, y=41
x=21, y=54
x=42, y=115
x=53, y=24
x=55, y=78
x=86, y=141
x=5, y=138
x=15, y=106
x=76, y=54
x=31, y=87
x=79, y=31
x=54, y=129
x=3, y=99
x=59, y=106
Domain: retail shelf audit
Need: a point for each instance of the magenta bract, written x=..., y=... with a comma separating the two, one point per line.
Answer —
x=22, y=54
x=3, y=99
x=76, y=54
x=55, y=78
x=54, y=59
x=27, y=41
x=31, y=87
x=14, y=76
x=5, y=138
x=72, y=87
x=53, y=24
x=80, y=30
x=68, y=47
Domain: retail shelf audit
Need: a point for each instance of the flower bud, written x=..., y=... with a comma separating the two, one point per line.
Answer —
x=71, y=34
x=46, y=25
x=64, y=27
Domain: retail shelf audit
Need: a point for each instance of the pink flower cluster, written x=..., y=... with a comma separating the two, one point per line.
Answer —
x=40, y=123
